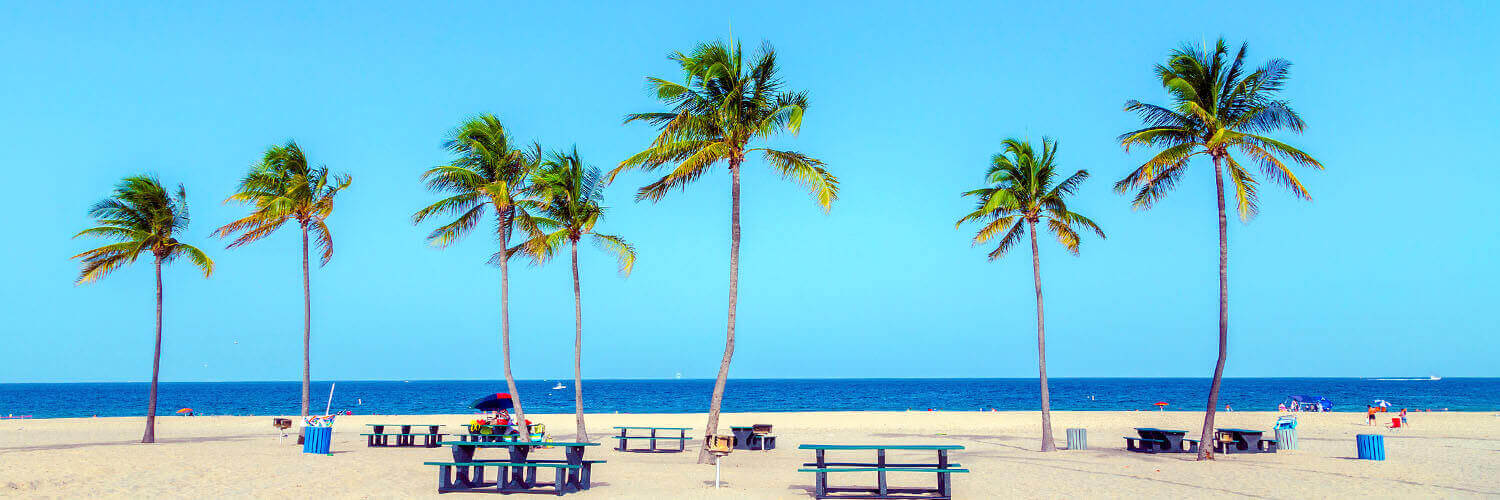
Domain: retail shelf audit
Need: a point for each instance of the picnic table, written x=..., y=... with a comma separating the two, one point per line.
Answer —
x=518, y=473
x=1228, y=440
x=753, y=437
x=681, y=438
x=821, y=467
x=1153, y=440
x=406, y=437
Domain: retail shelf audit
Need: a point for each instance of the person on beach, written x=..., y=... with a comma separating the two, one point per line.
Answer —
x=1403, y=417
x=1370, y=411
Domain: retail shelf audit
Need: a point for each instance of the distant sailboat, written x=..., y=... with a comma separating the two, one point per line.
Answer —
x=1434, y=377
x=559, y=386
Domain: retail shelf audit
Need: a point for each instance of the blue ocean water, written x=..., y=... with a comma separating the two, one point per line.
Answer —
x=760, y=395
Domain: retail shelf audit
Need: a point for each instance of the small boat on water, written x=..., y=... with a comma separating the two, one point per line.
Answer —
x=559, y=386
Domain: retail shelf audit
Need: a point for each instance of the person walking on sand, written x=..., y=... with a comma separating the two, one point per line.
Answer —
x=1370, y=411
x=1403, y=417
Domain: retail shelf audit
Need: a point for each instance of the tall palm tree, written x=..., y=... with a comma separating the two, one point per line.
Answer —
x=141, y=217
x=488, y=174
x=725, y=103
x=570, y=193
x=1021, y=193
x=284, y=187
x=1217, y=109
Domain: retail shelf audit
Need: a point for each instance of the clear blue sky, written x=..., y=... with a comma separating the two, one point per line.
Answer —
x=1389, y=271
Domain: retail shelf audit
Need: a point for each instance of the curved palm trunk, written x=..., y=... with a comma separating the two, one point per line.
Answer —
x=704, y=457
x=1206, y=452
x=510, y=381
x=306, y=323
x=1041, y=344
x=583, y=434
x=150, y=436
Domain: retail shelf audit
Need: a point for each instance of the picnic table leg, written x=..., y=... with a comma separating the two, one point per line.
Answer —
x=462, y=454
x=574, y=476
x=820, y=483
x=518, y=474
x=443, y=481
x=681, y=443
x=653, y=439
x=944, y=486
x=880, y=474
x=621, y=447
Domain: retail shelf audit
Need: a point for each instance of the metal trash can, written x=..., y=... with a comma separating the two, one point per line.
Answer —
x=1078, y=439
x=319, y=440
x=1286, y=439
x=1370, y=446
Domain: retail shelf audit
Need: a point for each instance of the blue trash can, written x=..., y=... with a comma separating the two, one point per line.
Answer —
x=1286, y=438
x=1370, y=446
x=318, y=440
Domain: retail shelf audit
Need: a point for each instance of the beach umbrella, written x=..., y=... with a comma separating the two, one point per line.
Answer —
x=1382, y=403
x=1161, y=405
x=494, y=402
x=185, y=410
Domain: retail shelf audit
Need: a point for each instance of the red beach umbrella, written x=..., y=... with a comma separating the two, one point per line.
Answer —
x=185, y=410
x=494, y=402
x=1161, y=405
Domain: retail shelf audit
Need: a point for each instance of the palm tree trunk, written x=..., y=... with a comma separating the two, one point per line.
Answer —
x=510, y=381
x=150, y=436
x=306, y=324
x=1205, y=451
x=704, y=457
x=583, y=434
x=1041, y=344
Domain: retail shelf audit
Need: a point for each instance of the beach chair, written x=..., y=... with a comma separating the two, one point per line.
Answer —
x=1395, y=424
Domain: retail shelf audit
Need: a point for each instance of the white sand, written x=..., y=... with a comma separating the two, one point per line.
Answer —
x=1441, y=455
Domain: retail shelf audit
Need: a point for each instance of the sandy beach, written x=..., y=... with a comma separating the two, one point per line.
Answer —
x=1441, y=455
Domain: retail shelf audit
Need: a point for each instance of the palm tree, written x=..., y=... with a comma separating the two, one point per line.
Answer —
x=1020, y=195
x=721, y=107
x=488, y=173
x=284, y=187
x=141, y=217
x=1216, y=109
x=569, y=193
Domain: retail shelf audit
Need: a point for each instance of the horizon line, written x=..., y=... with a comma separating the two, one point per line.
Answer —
x=1377, y=378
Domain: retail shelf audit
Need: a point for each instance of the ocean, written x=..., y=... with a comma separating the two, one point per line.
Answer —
x=749, y=395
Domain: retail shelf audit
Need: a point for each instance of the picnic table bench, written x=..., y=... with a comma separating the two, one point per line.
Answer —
x=1229, y=440
x=624, y=437
x=753, y=437
x=518, y=472
x=406, y=437
x=821, y=467
x=1153, y=440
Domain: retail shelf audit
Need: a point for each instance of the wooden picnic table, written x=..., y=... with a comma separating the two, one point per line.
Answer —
x=821, y=467
x=573, y=472
x=405, y=438
x=1230, y=440
x=681, y=438
x=1153, y=440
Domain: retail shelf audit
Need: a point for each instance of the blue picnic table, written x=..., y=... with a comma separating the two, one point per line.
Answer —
x=681, y=438
x=821, y=467
x=379, y=438
x=1153, y=440
x=518, y=473
x=1230, y=440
